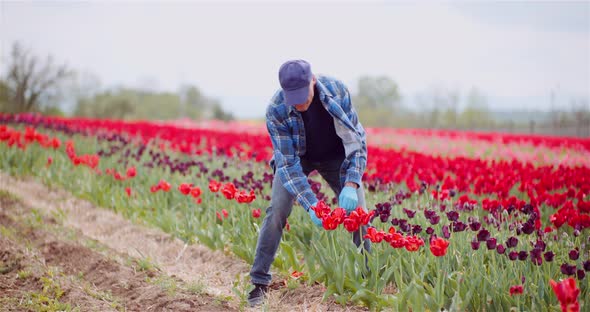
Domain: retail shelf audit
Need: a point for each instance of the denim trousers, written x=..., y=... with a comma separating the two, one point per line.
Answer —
x=281, y=204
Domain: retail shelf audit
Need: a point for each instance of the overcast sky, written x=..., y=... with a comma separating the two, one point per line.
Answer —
x=515, y=52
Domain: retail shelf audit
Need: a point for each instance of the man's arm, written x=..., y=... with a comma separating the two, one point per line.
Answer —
x=287, y=164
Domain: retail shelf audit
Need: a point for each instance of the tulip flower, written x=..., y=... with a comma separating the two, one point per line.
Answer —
x=516, y=290
x=438, y=247
x=374, y=235
x=131, y=172
x=185, y=188
x=567, y=293
x=256, y=213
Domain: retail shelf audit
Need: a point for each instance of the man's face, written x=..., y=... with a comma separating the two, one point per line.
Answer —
x=305, y=106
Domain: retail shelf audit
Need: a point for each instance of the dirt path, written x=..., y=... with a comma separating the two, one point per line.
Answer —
x=214, y=272
x=45, y=266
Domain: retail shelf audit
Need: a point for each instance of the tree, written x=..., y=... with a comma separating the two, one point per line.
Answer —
x=377, y=100
x=219, y=114
x=30, y=79
x=476, y=113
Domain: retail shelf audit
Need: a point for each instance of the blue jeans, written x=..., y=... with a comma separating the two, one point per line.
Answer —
x=281, y=204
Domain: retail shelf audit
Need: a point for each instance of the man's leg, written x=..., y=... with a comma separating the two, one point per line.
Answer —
x=281, y=204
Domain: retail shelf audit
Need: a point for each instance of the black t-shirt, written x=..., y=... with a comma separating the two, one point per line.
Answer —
x=321, y=141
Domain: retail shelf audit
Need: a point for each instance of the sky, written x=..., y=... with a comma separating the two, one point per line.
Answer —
x=516, y=53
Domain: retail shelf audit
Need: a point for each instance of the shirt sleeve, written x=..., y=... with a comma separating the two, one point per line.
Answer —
x=358, y=159
x=287, y=163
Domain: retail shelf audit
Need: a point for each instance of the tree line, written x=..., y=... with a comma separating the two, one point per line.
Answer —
x=31, y=83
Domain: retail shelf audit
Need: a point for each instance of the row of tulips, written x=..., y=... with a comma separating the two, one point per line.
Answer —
x=444, y=282
x=493, y=183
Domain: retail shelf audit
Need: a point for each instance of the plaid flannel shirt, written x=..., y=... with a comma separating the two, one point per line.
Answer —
x=287, y=133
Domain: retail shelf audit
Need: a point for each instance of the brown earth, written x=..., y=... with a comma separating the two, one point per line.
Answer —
x=45, y=266
x=130, y=263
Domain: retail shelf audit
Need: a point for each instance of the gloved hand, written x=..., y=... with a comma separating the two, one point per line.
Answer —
x=313, y=217
x=348, y=199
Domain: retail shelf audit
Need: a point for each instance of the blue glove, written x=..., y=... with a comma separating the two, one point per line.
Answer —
x=348, y=199
x=313, y=217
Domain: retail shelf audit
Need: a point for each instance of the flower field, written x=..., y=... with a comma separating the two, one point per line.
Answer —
x=458, y=221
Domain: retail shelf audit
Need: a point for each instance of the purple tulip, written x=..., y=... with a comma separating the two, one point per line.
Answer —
x=574, y=254
x=429, y=230
x=522, y=255
x=491, y=243
x=416, y=229
x=540, y=244
x=475, y=245
x=548, y=256
x=513, y=255
x=405, y=226
x=459, y=226
x=586, y=265
x=429, y=213
x=452, y=215
x=528, y=227
x=536, y=253
x=434, y=220
x=475, y=226
x=511, y=242
x=483, y=235
x=581, y=274
x=500, y=249
x=409, y=213
x=445, y=231
x=568, y=269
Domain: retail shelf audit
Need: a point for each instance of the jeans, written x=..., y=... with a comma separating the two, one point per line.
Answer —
x=281, y=204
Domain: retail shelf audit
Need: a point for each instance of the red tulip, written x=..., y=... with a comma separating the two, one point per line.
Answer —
x=49, y=161
x=321, y=209
x=374, y=235
x=245, y=198
x=214, y=186
x=128, y=191
x=131, y=172
x=516, y=290
x=567, y=293
x=413, y=243
x=395, y=239
x=185, y=188
x=164, y=186
x=438, y=247
x=333, y=219
x=229, y=190
x=296, y=274
x=256, y=213
x=196, y=192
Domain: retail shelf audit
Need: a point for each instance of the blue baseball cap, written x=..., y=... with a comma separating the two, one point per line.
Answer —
x=295, y=77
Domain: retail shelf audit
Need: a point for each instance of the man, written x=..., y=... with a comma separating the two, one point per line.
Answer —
x=312, y=126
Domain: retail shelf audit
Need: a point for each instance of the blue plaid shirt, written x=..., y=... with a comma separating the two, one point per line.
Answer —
x=287, y=133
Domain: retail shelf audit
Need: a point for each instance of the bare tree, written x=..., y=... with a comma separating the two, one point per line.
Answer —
x=29, y=78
